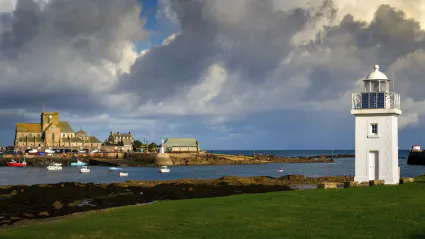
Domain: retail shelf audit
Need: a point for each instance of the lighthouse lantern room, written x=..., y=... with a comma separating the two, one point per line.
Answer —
x=376, y=112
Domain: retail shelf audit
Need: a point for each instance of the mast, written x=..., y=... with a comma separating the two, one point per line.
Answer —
x=393, y=82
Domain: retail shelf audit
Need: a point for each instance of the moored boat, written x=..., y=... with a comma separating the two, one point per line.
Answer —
x=123, y=174
x=78, y=163
x=54, y=167
x=13, y=163
x=111, y=169
x=84, y=169
x=164, y=169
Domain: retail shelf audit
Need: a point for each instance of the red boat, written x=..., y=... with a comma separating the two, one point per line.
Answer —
x=13, y=163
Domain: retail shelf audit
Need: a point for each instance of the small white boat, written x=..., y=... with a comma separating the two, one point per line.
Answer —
x=84, y=169
x=164, y=169
x=123, y=174
x=78, y=163
x=114, y=169
x=54, y=167
x=280, y=170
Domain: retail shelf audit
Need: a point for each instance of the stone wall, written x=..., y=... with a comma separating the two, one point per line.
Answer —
x=157, y=158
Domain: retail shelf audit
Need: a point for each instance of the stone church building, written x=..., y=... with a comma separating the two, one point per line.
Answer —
x=52, y=133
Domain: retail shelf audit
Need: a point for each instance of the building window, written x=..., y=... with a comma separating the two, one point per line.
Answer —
x=374, y=129
x=53, y=137
x=63, y=135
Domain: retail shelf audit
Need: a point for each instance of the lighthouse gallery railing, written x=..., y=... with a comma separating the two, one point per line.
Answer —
x=375, y=100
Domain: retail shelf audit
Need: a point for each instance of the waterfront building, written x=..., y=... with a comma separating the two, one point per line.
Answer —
x=376, y=112
x=181, y=145
x=51, y=132
x=126, y=140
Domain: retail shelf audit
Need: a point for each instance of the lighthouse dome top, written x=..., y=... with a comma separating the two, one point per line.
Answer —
x=376, y=74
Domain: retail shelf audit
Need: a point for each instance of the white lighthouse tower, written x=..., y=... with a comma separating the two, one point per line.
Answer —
x=376, y=111
x=161, y=149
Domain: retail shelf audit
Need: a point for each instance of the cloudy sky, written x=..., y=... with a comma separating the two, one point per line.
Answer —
x=240, y=74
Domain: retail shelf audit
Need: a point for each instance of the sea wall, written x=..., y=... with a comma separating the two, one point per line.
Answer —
x=162, y=159
x=134, y=159
x=416, y=158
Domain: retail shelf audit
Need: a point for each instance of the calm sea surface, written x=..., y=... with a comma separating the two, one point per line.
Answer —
x=100, y=174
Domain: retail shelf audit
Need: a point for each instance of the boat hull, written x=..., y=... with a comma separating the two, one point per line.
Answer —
x=54, y=168
x=114, y=169
x=10, y=164
x=78, y=164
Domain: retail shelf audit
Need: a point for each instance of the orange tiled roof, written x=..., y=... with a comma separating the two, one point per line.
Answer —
x=28, y=127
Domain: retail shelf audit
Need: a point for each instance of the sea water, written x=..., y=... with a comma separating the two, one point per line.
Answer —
x=101, y=174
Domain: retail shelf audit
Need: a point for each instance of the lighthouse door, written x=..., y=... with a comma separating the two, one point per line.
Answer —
x=373, y=165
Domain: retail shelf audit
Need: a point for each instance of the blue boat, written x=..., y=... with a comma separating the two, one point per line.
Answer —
x=114, y=169
x=78, y=163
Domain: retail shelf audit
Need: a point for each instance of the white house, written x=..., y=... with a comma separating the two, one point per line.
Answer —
x=376, y=112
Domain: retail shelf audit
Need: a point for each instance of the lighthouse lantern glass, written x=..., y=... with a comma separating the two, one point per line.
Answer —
x=376, y=86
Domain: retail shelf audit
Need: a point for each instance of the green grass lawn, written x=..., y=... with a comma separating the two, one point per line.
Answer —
x=370, y=212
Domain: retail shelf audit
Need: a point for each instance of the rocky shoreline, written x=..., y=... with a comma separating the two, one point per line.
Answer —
x=20, y=203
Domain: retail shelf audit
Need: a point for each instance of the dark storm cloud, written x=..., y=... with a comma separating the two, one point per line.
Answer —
x=390, y=33
x=166, y=69
x=252, y=48
x=254, y=45
x=389, y=37
x=56, y=53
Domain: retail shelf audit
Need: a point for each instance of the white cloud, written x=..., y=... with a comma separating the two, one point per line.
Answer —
x=7, y=5
x=169, y=39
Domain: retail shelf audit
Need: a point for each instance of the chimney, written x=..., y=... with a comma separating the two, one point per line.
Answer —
x=129, y=132
x=118, y=132
x=111, y=133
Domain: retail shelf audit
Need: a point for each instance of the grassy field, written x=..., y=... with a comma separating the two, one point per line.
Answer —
x=370, y=212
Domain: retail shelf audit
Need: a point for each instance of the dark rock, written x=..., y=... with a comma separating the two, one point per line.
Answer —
x=25, y=214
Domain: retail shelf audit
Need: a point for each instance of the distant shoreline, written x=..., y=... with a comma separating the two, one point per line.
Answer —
x=174, y=159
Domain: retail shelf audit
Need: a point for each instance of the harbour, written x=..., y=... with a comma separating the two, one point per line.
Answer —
x=101, y=174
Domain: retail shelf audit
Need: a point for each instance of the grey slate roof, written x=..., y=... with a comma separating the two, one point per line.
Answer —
x=93, y=139
x=175, y=142
x=65, y=127
x=81, y=132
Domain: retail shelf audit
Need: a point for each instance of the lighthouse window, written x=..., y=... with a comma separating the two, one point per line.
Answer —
x=374, y=128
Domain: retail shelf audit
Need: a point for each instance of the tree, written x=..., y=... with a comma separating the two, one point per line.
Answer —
x=137, y=144
x=152, y=146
